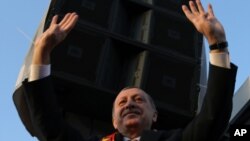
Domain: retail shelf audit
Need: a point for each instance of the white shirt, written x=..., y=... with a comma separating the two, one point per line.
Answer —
x=128, y=139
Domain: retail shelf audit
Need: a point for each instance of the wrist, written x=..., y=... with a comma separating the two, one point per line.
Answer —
x=40, y=57
x=216, y=37
x=219, y=47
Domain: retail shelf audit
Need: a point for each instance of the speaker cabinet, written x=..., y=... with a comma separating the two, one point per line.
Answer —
x=118, y=43
x=79, y=56
x=173, y=34
x=94, y=12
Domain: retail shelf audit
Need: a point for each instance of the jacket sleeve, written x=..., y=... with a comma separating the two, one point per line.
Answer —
x=43, y=112
x=213, y=119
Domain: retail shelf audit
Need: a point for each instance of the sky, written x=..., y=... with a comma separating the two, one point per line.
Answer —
x=20, y=19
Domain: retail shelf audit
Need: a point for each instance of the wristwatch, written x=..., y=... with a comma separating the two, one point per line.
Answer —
x=220, y=45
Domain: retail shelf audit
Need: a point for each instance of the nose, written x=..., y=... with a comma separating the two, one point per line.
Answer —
x=130, y=104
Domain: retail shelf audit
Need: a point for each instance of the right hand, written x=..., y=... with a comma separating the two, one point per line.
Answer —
x=55, y=34
x=205, y=22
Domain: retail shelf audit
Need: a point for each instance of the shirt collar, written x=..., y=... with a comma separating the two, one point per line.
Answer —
x=128, y=139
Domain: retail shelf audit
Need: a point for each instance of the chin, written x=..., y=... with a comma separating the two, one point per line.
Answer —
x=132, y=122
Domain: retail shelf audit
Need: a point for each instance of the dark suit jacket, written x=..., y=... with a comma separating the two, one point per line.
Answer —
x=39, y=111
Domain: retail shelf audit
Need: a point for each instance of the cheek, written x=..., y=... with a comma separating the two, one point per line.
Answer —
x=148, y=111
x=117, y=119
x=117, y=113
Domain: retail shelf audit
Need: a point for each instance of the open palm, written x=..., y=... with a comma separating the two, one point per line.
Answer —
x=55, y=34
x=205, y=22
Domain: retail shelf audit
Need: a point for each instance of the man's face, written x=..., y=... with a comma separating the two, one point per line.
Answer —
x=133, y=110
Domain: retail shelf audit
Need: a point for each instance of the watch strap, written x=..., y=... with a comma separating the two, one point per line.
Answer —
x=221, y=45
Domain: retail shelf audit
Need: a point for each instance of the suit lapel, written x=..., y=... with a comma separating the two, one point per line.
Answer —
x=118, y=137
x=150, y=136
x=146, y=136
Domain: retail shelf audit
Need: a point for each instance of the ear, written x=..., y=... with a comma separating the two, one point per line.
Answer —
x=114, y=123
x=155, y=116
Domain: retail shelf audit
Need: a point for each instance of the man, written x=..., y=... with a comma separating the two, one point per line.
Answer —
x=133, y=109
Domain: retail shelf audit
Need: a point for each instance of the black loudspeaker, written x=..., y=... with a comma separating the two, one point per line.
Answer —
x=171, y=5
x=172, y=83
x=96, y=12
x=168, y=82
x=172, y=33
x=119, y=43
x=79, y=55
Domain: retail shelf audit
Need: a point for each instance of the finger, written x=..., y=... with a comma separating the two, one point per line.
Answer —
x=187, y=12
x=200, y=7
x=67, y=19
x=64, y=19
x=54, y=20
x=193, y=7
x=210, y=10
x=70, y=23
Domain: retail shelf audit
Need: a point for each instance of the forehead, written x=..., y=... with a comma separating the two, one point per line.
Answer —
x=131, y=92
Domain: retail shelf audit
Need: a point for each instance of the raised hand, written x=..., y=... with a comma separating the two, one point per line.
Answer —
x=205, y=22
x=55, y=34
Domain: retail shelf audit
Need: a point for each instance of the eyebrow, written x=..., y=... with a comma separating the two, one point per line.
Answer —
x=134, y=95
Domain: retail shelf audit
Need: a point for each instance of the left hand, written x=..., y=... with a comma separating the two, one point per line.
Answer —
x=54, y=35
x=205, y=22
